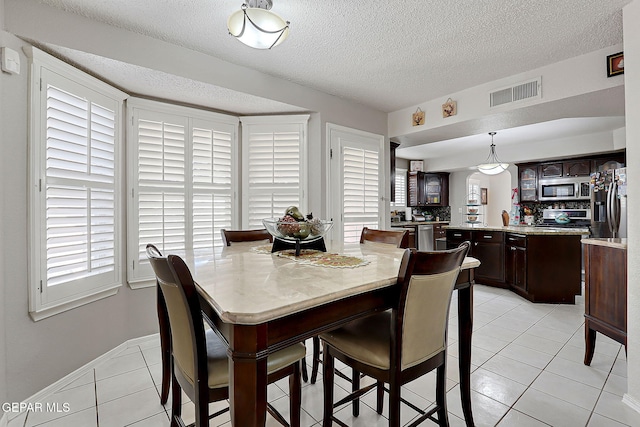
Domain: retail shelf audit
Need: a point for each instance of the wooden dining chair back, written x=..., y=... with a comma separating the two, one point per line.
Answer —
x=229, y=236
x=401, y=344
x=165, y=334
x=399, y=238
x=199, y=356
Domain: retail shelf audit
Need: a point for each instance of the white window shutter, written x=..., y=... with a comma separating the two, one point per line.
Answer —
x=401, y=188
x=360, y=191
x=275, y=167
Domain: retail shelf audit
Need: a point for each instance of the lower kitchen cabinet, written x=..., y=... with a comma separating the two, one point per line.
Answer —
x=488, y=248
x=539, y=267
x=515, y=261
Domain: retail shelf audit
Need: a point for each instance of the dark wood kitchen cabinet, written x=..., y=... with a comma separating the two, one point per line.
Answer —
x=488, y=248
x=539, y=267
x=605, y=285
x=581, y=167
x=515, y=260
x=528, y=180
x=551, y=170
x=392, y=167
x=427, y=189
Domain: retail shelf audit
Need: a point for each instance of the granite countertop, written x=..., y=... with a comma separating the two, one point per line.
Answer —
x=618, y=243
x=524, y=229
x=414, y=223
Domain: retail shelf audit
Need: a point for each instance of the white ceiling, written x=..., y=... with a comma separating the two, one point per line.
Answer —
x=384, y=54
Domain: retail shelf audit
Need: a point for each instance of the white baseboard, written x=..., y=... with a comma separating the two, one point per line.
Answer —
x=631, y=402
x=65, y=381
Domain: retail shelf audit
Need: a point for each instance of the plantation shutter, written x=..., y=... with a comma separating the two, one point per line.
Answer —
x=74, y=170
x=182, y=182
x=360, y=191
x=79, y=189
x=161, y=185
x=401, y=188
x=275, y=167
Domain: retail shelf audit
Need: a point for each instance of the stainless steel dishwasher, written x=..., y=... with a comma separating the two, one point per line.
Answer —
x=425, y=237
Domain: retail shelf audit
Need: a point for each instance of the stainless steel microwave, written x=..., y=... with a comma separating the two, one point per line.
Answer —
x=563, y=189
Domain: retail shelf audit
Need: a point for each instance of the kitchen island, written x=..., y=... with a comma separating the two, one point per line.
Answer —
x=541, y=264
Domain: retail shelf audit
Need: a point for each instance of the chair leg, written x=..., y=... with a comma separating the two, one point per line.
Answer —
x=303, y=368
x=165, y=346
x=394, y=403
x=380, y=397
x=355, y=386
x=202, y=411
x=327, y=382
x=176, y=402
x=316, y=359
x=441, y=395
x=295, y=396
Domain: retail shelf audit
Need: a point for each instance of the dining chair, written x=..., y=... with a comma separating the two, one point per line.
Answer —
x=399, y=345
x=398, y=238
x=199, y=358
x=165, y=335
x=229, y=236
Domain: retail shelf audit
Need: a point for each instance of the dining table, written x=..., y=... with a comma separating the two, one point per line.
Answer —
x=260, y=302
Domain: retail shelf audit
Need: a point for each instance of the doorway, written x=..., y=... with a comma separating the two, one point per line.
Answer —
x=498, y=195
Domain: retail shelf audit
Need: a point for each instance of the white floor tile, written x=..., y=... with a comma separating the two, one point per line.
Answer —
x=577, y=371
x=119, y=365
x=611, y=406
x=518, y=419
x=486, y=411
x=512, y=369
x=121, y=385
x=55, y=406
x=551, y=410
x=598, y=420
x=496, y=387
x=129, y=409
x=526, y=355
x=158, y=420
x=85, y=418
x=616, y=384
x=566, y=389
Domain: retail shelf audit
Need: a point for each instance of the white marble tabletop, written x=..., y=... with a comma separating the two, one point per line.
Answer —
x=248, y=287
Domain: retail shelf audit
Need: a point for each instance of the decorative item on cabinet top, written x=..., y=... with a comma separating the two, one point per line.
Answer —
x=417, y=118
x=449, y=108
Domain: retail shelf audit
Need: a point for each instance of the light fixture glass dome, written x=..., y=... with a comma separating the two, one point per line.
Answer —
x=492, y=166
x=256, y=26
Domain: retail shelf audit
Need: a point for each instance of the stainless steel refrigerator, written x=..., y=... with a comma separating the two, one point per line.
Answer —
x=609, y=203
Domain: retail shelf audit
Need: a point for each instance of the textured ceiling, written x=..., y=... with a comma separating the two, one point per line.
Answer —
x=384, y=54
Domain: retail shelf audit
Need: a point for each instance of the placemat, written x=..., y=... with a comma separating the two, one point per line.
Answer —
x=315, y=257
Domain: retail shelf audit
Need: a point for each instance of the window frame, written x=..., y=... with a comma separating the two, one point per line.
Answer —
x=300, y=120
x=140, y=275
x=44, y=68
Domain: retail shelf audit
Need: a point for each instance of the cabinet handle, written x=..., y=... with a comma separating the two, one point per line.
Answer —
x=475, y=244
x=513, y=248
x=457, y=235
x=487, y=237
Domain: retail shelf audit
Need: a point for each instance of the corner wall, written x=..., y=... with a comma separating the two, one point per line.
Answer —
x=631, y=17
x=4, y=83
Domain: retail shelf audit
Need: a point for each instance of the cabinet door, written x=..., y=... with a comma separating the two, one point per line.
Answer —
x=488, y=247
x=528, y=180
x=551, y=170
x=577, y=168
x=516, y=266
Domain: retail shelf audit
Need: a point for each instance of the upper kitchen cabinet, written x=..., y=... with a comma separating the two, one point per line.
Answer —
x=577, y=167
x=528, y=178
x=428, y=189
x=613, y=161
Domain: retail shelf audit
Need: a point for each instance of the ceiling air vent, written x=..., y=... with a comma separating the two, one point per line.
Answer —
x=519, y=92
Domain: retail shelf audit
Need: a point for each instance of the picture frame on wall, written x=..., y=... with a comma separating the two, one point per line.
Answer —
x=615, y=64
x=416, y=166
x=483, y=196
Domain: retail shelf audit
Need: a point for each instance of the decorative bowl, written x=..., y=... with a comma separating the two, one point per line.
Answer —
x=472, y=218
x=473, y=210
x=428, y=217
x=304, y=231
x=562, y=219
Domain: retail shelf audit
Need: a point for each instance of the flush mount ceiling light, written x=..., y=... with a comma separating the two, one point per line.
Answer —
x=492, y=166
x=256, y=26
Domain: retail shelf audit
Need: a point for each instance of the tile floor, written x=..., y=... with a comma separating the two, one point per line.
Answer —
x=527, y=371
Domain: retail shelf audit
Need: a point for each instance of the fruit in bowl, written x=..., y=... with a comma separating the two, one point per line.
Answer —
x=294, y=226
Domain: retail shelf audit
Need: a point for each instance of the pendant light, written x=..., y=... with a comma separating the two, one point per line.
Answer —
x=492, y=166
x=256, y=26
